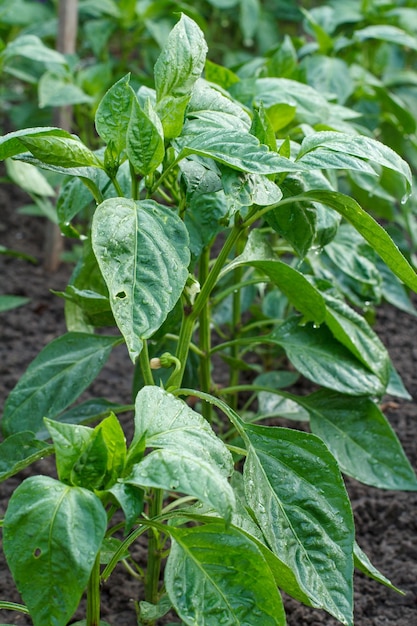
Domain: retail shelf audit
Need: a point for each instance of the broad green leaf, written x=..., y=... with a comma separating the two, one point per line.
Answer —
x=352, y=330
x=363, y=564
x=11, y=144
x=130, y=499
x=216, y=576
x=297, y=494
x=361, y=439
x=113, y=113
x=222, y=76
x=11, y=302
x=292, y=283
x=328, y=150
x=319, y=357
x=89, y=469
x=329, y=75
x=55, y=90
x=60, y=151
x=181, y=62
x=262, y=128
x=69, y=441
x=296, y=223
x=206, y=99
x=28, y=178
x=248, y=19
x=73, y=197
x=171, y=112
x=370, y=230
x=86, y=412
x=56, y=377
x=142, y=250
x=235, y=148
x=31, y=47
x=52, y=534
x=244, y=190
x=167, y=422
x=244, y=519
x=145, y=139
x=115, y=442
x=177, y=469
x=20, y=450
x=386, y=32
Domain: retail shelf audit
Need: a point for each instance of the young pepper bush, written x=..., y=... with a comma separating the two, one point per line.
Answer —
x=187, y=168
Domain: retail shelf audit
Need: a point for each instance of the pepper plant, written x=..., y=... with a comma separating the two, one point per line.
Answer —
x=206, y=239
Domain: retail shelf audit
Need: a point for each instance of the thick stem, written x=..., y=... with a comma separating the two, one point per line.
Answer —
x=154, y=551
x=190, y=317
x=236, y=324
x=93, y=595
x=144, y=365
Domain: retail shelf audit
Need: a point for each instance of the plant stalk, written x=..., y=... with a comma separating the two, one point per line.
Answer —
x=154, y=550
x=93, y=595
x=205, y=338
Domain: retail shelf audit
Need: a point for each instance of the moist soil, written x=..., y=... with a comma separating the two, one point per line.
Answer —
x=386, y=521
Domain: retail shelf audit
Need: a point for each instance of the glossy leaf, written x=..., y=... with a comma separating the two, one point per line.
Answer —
x=216, y=576
x=363, y=564
x=181, y=61
x=142, y=251
x=113, y=113
x=56, y=377
x=319, y=357
x=352, y=330
x=69, y=441
x=361, y=439
x=306, y=298
x=374, y=234
x=31, y=47
x=61, y=151
x=52, y=535
x=163, y=421
x=19, y=451
x=327, y=150
x=239, y=150
x=177, y=469
x=145, y=139
x=296, y=492
x=11, y=144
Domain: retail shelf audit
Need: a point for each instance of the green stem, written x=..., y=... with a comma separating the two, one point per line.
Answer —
x=117, y=187
x=12, y=606
x=236, y=324
x=154, y=550
x=134, y=189
x=205, y=338
x=93, y=595
x=144, y=365
x=190, y=316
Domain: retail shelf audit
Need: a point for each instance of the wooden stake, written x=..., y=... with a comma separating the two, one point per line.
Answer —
x=66, y=43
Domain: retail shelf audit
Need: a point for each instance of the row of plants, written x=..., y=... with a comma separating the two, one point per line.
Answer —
x=221, y=212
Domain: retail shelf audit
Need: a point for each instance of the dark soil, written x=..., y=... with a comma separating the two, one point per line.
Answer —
x=386, y=520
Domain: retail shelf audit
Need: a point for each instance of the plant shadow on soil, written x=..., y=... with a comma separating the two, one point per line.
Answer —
x=386, y=521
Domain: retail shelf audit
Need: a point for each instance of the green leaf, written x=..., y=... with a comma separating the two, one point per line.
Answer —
x=363, y=564
x=235, y=148
x=31, y=47
x=19, y=451
x=55, y=90
x=64, y=152
x=296, y=223
x=297, y=494
x=11, y=144
x=352, y=330
x=113, y=113
x=328, y=150
x=167, y=422
x=181, y=61
x=56, y=377
x=386, y=32
x=374, y=234
x=52, y=534
x=145, y=139
x=292, y=283
x=362, y=440
x=28, y=178
x=69, y=441
x=142, y=251
x=216, y=576
x=130, y=499
x=319, y=357
x=11, y=302
x=176, y=469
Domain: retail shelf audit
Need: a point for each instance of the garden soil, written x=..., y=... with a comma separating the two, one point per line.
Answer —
x=386, y=521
